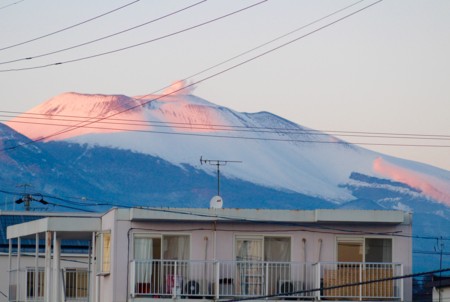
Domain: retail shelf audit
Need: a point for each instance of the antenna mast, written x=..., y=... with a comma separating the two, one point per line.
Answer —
x=217, y=163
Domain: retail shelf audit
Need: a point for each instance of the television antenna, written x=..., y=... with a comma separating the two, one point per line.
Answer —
x=217, y=163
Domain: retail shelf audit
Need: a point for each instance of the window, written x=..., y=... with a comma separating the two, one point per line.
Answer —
x=252, y=273
x=378, y=250
x=103, y=249
x=149, y=269
x=249, y=249
x=277, y=249
x=31, y=282
x=176, y=247
x=364, y=249
x=350, y=250
x=76, y=283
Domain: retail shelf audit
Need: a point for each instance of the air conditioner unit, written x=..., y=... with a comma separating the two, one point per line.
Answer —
x=196, y=288
x=289, y=286
x=285, y=287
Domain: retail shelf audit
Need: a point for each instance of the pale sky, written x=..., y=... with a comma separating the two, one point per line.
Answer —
x=385, y=69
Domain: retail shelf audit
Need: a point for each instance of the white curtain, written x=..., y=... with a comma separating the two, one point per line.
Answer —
x=176, y=247
x=249, y=249
x=277, y=249
x=143, y=253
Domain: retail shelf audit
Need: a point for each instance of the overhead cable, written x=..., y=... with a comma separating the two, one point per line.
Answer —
x=216, y=127
x=103, y=38
x=135, y=45
x=69, y=27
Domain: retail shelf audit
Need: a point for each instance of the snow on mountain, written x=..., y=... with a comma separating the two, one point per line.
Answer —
x=180, y=128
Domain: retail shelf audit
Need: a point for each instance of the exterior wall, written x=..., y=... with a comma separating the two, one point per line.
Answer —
x=312, y=244
x=216, y=241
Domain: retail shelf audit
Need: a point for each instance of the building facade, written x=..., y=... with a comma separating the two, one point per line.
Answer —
x=156, y=254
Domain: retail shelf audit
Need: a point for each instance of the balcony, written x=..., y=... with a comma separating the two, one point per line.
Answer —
x=277, y=280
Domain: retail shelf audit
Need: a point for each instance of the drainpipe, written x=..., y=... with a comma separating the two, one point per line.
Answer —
x=304, y=262
x=204, y=285
x=320, y=250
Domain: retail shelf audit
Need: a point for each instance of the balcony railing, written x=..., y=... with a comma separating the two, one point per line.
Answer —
x=224, y=279
x=24, y=286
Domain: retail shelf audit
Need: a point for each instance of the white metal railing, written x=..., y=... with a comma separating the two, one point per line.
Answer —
x=334, y=275
x=222, y=279
x=24, y=286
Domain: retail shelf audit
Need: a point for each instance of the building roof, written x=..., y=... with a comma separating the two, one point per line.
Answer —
x=265, y=215
x=10, y=218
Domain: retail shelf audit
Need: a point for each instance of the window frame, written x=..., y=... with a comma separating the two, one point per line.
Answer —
x=77, y=271
x=260, y=237
x=103, y=262
x=364, y=246
x=31, y=283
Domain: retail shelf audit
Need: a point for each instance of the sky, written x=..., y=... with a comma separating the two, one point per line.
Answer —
x=382, y=70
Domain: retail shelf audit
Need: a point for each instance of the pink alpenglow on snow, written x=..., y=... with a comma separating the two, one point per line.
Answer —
x=82, y=114
x=71, y=115
x=428, y=185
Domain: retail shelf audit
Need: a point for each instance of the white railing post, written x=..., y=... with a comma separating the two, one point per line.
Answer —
x=216, y=282
x=174, y=288
x=360, y=280
x=266, y=281
x=133, y=278
x=318, y=285
x=402, y=298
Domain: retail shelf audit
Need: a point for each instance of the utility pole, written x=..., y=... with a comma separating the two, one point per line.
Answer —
x=217, y=163
x=440, y=248
x=27, y=198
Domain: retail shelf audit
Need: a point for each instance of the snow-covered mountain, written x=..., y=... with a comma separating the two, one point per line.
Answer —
x=180, y=128
x=145, y=151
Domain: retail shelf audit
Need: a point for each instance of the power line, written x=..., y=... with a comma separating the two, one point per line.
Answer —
x=11, y=4
x=217, y=127
x=102, y=38
x=89, y=121
x=135, y=45
x=332, y=142
x=323, y=288
x=273, y=40
x=307, y=227
x=69, y=27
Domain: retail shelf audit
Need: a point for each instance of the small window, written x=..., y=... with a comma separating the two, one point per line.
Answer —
x=32, y=290
x=103, y=249
x=76, y=283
